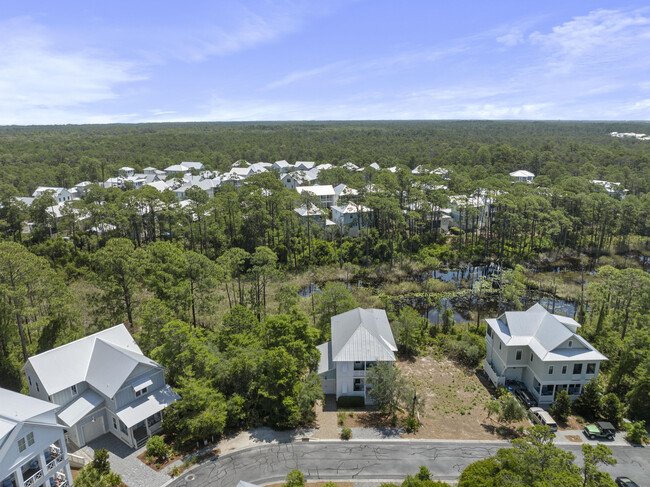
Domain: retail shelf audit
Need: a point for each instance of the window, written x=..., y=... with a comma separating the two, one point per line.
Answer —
x=574, y=389
x=358, y=385
x=591, y=368
x=37, y=388
x=30, y=439
x=531, y=357
x=358, y=365
x=30, y=380
x=564, y=369
x=518, y=357
x=499, y=345
x=547, y=390
x=123, y=428
x=114, y=424
x=489, y=332
x=577, y=369
x=21, y=444
x=550, y=370
x=74, y=389
x=141, y=392
x=570, y=343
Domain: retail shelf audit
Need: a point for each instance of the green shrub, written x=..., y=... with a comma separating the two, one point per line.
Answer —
x=175, y=471
x=341, y=417
x=412, y=424
x=611, y=408
x=157, y=448
x=561, y=409
x=350, y=402
x=393, y=420
x=636, y=432
x=346, y=433
x=295, y=478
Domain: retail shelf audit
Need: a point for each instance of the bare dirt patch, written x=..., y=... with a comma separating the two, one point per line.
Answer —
x=455, y=400
x=572, y=423
x=574, y=438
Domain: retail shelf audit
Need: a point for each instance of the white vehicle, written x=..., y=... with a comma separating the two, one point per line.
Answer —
x=542, y=417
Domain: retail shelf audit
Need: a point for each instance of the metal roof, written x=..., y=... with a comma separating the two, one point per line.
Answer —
x=362, y=335
x=146, y=406
x=80, y=407
x=544, y=333
x=17, y=408
x=325, y=364
x=104, y=360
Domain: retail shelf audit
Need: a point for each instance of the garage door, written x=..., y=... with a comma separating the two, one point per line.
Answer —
x=93, y=429
x=329, y=386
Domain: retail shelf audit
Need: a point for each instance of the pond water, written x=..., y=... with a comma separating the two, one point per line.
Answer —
x=309, y=290
x=470, y=274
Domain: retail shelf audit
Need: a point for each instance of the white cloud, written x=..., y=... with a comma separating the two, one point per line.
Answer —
x=39, y=82
x=511, y=39
x=304, y=75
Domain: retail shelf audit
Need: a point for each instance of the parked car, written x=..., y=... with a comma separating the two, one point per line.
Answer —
x=626, y=482
x=525, y=397
x=542, y=417
x=601, y=429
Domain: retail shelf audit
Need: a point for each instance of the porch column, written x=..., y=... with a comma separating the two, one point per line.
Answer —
x=18, y=477
x=68, y=473
x=146, y=425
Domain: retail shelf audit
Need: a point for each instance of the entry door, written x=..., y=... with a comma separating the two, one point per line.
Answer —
x=93, y=429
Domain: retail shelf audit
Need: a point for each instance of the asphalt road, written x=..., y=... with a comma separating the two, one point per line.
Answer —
x=371, y=460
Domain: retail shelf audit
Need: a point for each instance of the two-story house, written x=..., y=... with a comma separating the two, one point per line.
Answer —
x=353, y=217
x=102, y=383
x=360, y=339
x=522, y=176
x=325, y=192
x=541, y=350
x=32, y=446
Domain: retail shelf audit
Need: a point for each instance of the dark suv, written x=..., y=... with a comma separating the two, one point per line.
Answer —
x=525, y=397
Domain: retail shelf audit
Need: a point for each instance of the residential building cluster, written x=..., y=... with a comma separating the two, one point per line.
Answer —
x=328, y=205
x=630, y=135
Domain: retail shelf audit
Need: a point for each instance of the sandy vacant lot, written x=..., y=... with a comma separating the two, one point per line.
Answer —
x=455, y=400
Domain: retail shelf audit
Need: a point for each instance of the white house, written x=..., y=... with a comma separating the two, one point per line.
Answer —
x=325, y=193
x=304, y=165
x=126, y=171
x=360, y=339
x=282, y=166
x=541, y=350
x=32, y=444
x=612, y=189
x=59, y=194
x=522, y=176
x=352, y=216
x=102, y=383
x=176, y=169
x=316, y=214
x=345, y=192
x=193, y=166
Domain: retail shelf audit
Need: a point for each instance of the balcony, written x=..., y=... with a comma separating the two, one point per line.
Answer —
x=59, y=480
x=53, y=456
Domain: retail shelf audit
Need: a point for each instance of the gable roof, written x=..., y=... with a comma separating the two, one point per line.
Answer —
x=362, y=335
x=16, y=408
x=318, y=189
x=544, y=333
x=104, y=360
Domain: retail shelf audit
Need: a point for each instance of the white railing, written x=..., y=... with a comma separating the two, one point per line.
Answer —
x=31, y=480
x=497, y=380
x=77, y=461
x=359, y=373
x=53, y=463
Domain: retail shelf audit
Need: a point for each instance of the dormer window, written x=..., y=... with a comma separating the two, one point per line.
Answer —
x=141, y=386
x=570, y=343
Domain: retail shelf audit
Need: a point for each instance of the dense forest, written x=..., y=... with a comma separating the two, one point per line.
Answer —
x=233, y=293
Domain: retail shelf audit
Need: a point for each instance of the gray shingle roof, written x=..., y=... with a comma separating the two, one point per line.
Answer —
x=362, y=335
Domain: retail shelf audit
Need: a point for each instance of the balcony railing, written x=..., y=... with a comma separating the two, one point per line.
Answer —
x=359, y=373
x=32, y=480
x=53, y=463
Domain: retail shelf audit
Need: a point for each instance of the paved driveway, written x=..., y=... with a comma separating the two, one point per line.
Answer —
x=125, y=462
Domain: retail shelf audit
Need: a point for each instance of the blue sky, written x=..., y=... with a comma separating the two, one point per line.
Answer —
x=138, y=61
